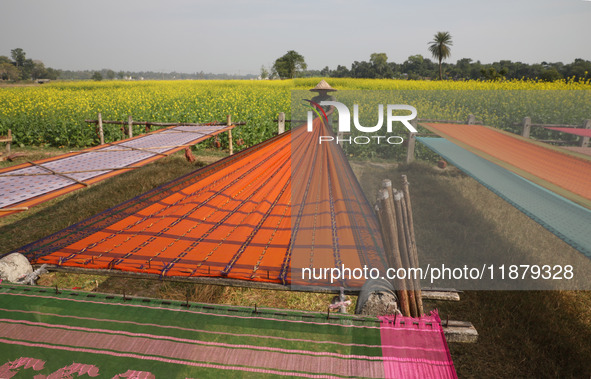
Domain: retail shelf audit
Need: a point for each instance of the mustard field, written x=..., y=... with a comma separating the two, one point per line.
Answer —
x=53, y=114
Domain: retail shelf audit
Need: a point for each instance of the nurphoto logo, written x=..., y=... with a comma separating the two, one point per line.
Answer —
x=345, y=122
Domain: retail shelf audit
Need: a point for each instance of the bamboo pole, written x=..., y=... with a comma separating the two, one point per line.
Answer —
x=100, y=129
x=388, y=227
x=409, y=225
x=17, y=209
x=404, y=253
x=413, y=242
x=230, y=145
x=396, y=220
x=145, y=123
x=71, y=172
x=138, y=149
x=58, y=174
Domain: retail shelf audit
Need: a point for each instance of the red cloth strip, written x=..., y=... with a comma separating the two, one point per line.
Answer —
x=575, y=131
x=427, y=354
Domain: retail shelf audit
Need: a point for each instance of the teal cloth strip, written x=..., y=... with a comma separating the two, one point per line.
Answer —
x=566, y=219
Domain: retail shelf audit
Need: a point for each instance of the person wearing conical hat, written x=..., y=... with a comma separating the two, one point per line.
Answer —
x=323, y=88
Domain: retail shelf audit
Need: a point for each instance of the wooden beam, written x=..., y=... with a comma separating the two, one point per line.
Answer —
x=429, y=294
x=459, y=331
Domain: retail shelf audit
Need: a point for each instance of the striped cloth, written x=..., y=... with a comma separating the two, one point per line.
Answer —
x=555, y=169
x=73, y=334
x=566, y=219
x=257, y=215
x=29, y=184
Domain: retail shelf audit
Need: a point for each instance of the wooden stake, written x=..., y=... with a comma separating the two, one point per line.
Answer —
x=100, y=129
x=281, y=123
x=129, y=127
x=230, y=145
x=9, y=142
x=526, y=127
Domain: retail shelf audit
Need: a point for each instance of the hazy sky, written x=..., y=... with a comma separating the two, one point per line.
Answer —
x=240, y=36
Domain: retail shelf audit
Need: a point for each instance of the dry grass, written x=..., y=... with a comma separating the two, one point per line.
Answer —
x=533, y=334
x=522, y=334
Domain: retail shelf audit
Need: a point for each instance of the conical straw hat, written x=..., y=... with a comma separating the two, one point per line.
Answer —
x=323, y=85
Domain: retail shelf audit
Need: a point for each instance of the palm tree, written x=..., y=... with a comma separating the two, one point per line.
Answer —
x=439, y=48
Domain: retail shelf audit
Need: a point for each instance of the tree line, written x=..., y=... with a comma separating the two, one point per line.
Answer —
x=19, y=67
x=417, y=67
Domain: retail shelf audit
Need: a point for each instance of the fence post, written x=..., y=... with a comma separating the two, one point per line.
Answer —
x=471, y=119
x=585, y=140
x=526, y=127
x=410, y=151
x=230, y=145
x=100, y=129
x=281, y=123
x=410, y=146
x=129, y=127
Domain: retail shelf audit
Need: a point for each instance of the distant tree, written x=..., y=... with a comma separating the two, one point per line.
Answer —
x=417, y=67
x=8, y=71
x=264, y=72
x=52, y=74
x=440, y=48
x=492, y=74
x=121, y=75
x=340, y=72
x=550, y=74
x=38, y=70
x=289, y=65
x=110, y=74
x=27, y=69
x=96, y=76
x=580, y=69
x=18, y=56
x=362, y=69
x=380, y=66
